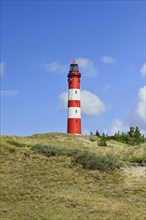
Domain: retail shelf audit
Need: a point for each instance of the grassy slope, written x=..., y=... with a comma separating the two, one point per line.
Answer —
x=36, y=187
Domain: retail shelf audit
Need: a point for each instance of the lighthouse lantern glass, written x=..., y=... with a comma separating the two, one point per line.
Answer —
x=74, y=67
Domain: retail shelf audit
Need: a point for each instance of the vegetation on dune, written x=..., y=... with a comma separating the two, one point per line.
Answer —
x=48, y=150
x=103, y=140
x=65, y=177
x=102, y=162
x=131, y=137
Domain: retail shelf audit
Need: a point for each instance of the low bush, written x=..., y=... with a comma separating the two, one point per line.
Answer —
x=53, y=151
x=48, y=151
x=100, y=162
x=103, y=140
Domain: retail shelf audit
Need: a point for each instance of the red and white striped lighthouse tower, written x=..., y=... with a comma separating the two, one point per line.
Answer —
x=74, y=104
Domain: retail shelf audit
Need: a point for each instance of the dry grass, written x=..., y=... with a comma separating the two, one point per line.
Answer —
x=36, y=187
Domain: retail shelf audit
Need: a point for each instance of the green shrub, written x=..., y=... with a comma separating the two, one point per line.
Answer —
x=53, y=151
x=48, y=151
x=132, y=137
x=102, y=141
x=97, y=162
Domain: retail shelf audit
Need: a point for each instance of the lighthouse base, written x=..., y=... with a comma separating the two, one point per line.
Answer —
x=74, y=126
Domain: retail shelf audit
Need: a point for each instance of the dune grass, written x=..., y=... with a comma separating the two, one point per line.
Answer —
x=54, y=187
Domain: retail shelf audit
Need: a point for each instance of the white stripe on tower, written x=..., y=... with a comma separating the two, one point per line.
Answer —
x=74, y=112
x=74, y=94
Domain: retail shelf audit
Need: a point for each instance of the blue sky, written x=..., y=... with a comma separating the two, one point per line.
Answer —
x=39, y=40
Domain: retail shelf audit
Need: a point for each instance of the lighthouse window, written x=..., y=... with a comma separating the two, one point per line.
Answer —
x=74, y=67
x=76, y=120
x=76, y=111
x=76, y=91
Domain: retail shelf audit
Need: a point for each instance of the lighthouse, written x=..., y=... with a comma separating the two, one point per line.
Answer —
x=74, y=103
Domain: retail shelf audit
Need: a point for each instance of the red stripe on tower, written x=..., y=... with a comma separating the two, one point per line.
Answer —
x=74, y=106
x=74, y=103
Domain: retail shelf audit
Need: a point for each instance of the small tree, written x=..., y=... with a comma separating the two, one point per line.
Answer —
x=97, y=133
x=102, y=141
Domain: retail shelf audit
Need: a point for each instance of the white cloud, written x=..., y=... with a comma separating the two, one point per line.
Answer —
x=140, y=111
x=116, y=126
x=87, y=67
x=108, y=59
x=91, y=105
x=55, y=67
x=122, y=126
x=8, y=93
x=143, y=70
x=137, y=116
x=63, y=100
x=2, y=68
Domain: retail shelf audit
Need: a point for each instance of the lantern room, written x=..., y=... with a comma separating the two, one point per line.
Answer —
x=74, y=69
x=74, y=66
